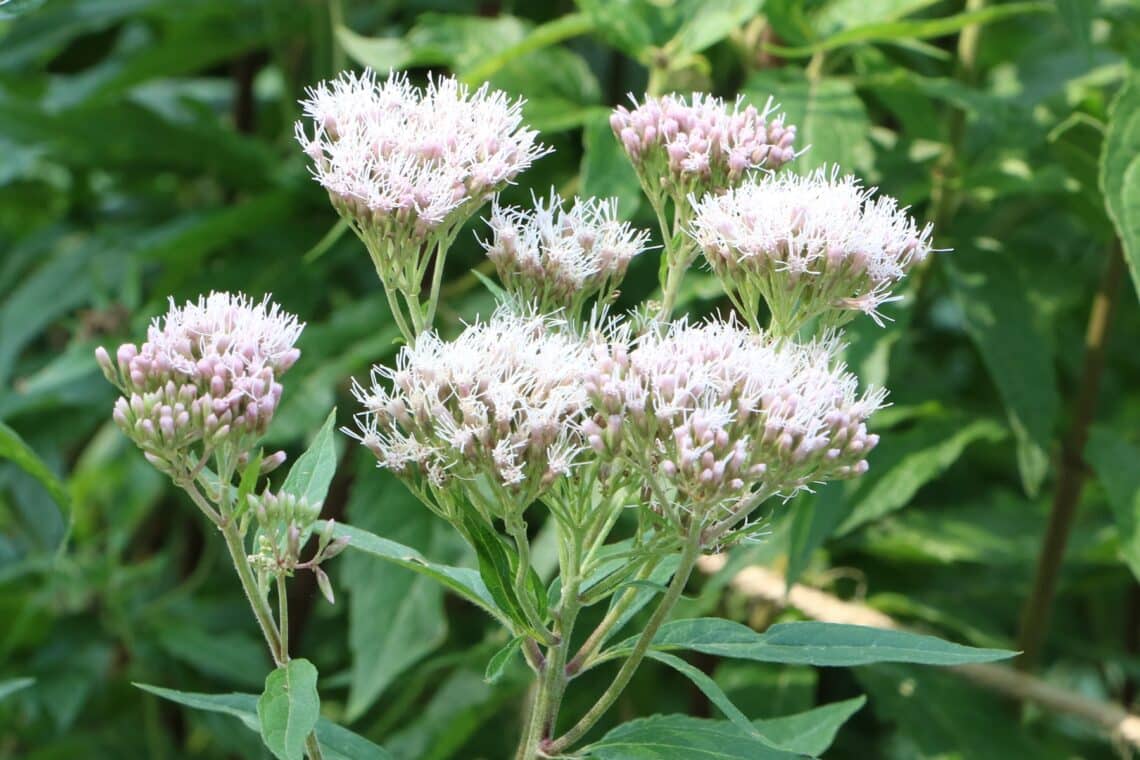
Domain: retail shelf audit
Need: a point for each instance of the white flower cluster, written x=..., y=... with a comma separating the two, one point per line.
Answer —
x=558, y=258
x=502, y=400
x=679, y=147
x=207, y=371
x=808, y=245
x=407, y=166
x=719, y=413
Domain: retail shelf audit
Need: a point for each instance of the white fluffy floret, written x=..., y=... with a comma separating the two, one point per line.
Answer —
x=557, y=257
x=388, y=148
x=503, y=400
x=809, y=244
x=721, y=414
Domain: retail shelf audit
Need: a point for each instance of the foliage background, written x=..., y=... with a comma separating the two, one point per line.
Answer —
x=146, y=150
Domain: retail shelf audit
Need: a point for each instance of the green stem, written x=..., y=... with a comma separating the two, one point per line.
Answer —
x=598, y=636
x=629, y=667
x=257, y=603
x=283, y=617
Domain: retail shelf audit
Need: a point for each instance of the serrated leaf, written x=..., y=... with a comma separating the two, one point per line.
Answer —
x=1120, y=171
x=1116, y=463
x=1000, y=319
x=337, y=742
x=498, y=663
x=811, y=643
x=311, y=474
x=289, y=708
x=677, y=737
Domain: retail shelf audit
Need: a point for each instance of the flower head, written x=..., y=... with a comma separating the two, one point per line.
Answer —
x=500, y=403
x=559, y=258
x=701, y=145
x=207, y=373
x=406, y=165
x=809, y=245
x=724, y=418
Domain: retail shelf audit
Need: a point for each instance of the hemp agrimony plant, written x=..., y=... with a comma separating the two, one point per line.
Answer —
x=647, y=441
x=644, y=441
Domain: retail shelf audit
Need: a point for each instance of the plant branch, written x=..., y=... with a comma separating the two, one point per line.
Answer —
x=629, y=667
x=1035, y=618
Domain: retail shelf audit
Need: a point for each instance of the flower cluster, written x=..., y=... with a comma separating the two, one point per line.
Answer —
x=558, y=258
x=501, y=402
x=702, y=145
x=407, y=165
x=207, y=373
x=808, y=245
x=718, y=415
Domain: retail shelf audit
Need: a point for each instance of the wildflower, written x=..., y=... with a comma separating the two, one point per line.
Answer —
x=558, y=258
x=407, y=166
x=498, y=406
x=699, y=146
x=810, y=246
x=206, y=378
x=716, y=418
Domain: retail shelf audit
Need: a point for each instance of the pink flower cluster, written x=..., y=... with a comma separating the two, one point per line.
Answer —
x=207, y=372
x=717, y=414
x=808, y=245
x=406, y=160
x=702, y=145
x=501, y=401
x=557, y=258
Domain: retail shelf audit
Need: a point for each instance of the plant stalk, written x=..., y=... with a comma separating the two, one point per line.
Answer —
x=1035, y=618
x=689, y=557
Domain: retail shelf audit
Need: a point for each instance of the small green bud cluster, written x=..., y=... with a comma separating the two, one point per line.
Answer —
x=285, y=522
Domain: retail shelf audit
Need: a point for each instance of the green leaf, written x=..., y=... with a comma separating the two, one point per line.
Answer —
x=905, y=462
x=337, y=742
x=606, y=170
x=463, y=581
x=711, y=690
x=711, y=22
x=395, y=616
x=679, y=737
x=289, y=708
x=811, y=643
x=551, y=33
x=378, y=53
x=1001, y=321
x=12, y=447
x=900, y=31
x=13, y=685
x=828, y=114
x=498, y=564
x=811, y=732
x=1077, y=18
x=1116, y=463
x=1120, y=171
x=815, y=517
x=311, y=474
x=501, y=659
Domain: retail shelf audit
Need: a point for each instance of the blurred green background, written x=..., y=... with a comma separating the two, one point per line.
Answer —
x=146, y=151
